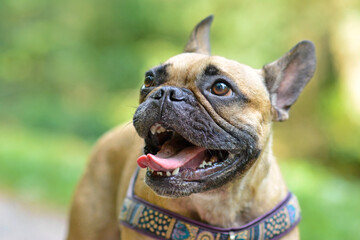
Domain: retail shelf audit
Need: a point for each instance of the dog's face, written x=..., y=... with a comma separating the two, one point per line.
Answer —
x=205, y=119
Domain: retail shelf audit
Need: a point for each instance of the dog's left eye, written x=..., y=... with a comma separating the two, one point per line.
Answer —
x=149, y=80
x=221, y=89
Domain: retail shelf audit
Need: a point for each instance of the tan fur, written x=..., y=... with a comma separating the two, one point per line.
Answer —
x=99, y=196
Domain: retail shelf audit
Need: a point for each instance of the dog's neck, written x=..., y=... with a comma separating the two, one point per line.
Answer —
x=235, y=204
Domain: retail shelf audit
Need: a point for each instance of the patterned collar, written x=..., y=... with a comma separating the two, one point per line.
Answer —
x=162, y=224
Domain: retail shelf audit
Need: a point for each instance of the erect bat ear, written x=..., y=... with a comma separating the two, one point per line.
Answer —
x=199, y=41
x=286, y=77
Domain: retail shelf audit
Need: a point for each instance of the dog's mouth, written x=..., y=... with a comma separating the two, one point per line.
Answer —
x=169, y=155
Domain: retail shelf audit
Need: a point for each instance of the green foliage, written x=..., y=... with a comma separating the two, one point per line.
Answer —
x=330, y=203
x=41, y=166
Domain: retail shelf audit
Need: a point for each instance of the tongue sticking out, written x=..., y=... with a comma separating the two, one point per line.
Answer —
x=190, y=157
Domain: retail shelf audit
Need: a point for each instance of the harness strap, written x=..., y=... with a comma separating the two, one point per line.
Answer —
x=159, y=223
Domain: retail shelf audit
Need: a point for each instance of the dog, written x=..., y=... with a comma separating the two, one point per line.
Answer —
x=202, y=138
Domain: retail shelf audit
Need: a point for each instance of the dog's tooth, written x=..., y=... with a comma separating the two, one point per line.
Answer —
x=213, y=159
x=176, y=171
x=168, y=173
x=202, y=165
x=159, y=173
x=160, y=129
x=153, y=129
x=208, y=164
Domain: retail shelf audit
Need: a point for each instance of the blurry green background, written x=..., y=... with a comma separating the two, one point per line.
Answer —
x=71, y=70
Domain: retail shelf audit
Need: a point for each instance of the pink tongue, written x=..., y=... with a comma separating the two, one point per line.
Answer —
x=191, y=156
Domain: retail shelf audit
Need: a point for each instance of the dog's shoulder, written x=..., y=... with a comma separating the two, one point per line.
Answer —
x=118, y=144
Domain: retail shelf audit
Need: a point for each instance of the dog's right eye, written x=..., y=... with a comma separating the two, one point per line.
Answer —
x=221, y=89
x=149, y=80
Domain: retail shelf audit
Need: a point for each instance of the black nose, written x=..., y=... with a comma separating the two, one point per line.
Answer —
x=170, y=94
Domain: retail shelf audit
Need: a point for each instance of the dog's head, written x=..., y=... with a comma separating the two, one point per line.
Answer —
x=205, y=119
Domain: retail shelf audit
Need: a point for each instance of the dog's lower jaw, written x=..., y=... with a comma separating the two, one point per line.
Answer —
x=259, y=190
x=255, y=193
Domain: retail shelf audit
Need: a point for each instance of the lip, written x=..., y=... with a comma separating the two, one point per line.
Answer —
x=185, y=181
x=200, y=180
x=200, y=174
x=191, y=174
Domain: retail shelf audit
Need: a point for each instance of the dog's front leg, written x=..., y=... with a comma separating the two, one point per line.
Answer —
x=93, y=212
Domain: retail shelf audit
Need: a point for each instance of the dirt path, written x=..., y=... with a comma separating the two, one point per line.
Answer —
x=20, y=221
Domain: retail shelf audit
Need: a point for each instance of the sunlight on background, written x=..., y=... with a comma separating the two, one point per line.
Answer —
x=71, y=70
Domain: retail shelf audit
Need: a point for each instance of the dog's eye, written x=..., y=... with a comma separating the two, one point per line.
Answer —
x=149, y=80
x=221, y=89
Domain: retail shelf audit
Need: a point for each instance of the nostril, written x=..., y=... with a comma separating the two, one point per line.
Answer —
x=176, y=95
x=158, y=94
x=170, y=94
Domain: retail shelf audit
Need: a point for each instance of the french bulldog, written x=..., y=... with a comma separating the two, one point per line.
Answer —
x=202, y=137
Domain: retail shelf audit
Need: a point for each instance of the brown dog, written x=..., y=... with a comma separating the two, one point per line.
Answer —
x=206, y=122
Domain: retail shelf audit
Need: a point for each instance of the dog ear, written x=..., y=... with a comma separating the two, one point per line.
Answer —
x=199, y=41
x=286, y=77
